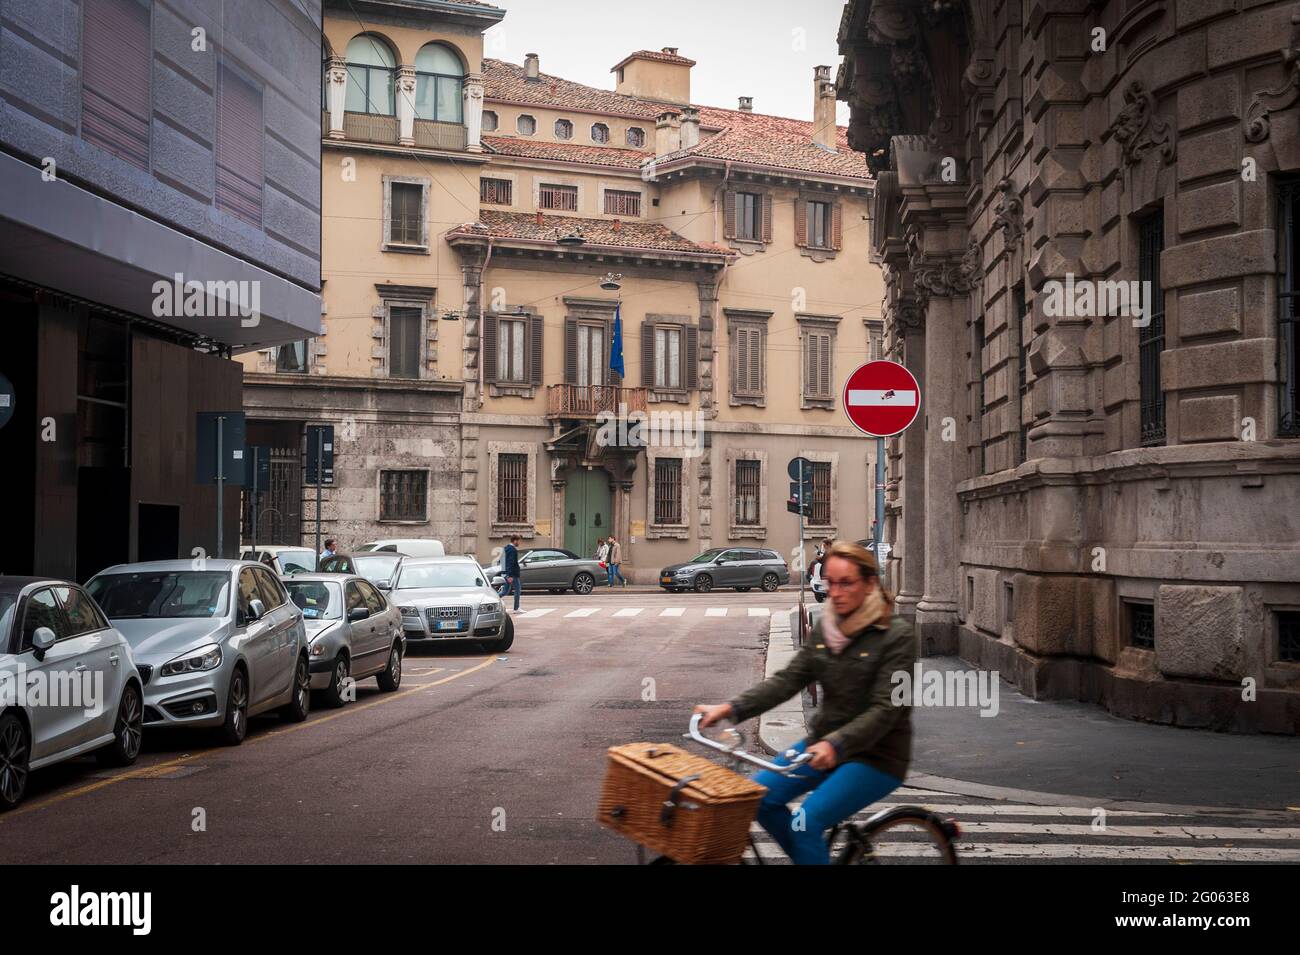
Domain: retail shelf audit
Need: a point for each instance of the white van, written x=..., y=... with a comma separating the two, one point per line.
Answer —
x=410, y=546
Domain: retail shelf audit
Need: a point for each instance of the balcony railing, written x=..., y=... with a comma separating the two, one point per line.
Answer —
x=433, y=135
x=587, y=401
x=370, y=128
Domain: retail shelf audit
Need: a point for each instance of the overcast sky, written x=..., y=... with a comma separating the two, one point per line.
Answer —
x=761, y=48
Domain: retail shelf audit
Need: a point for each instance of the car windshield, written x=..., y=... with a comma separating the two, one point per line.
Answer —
x=297, y=561
x=317, y=599
x=438, y=575
x=162, y=593
x=7, y=602
x=707, y=556
x=376, y=566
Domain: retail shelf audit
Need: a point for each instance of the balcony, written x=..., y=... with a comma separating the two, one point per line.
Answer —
x=371, y=128
x=433, y=135
x=587, y=401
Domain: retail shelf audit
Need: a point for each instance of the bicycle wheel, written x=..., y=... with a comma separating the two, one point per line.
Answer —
x=904, y=836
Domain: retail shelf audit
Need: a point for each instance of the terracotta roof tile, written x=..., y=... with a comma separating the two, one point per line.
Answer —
x=629, y=234
x=568, y=152
x=661, y=55
x=507, y=81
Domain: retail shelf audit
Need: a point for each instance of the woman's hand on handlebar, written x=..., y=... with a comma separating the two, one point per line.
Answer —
x=713, y=712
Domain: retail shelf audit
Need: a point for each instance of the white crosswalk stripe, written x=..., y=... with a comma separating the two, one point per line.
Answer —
x=759, y=612
x=672, y=611
x=583, y=612
x=715, y=612
x=628, y=611
x=538, y=612
x=990, y=835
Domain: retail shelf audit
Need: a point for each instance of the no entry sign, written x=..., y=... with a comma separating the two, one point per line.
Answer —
x=881, y=398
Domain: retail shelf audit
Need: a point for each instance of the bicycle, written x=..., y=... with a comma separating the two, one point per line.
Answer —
x=915, y=832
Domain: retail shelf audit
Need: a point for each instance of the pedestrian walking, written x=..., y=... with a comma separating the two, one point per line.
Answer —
x=330, y=549
x=614, y=558
x=602, y=551
x=510, y=568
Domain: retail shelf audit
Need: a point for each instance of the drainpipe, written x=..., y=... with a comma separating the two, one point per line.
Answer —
x=482, y=278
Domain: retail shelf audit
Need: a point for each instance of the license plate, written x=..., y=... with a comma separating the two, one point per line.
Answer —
x=450, y=625
x=665, y=580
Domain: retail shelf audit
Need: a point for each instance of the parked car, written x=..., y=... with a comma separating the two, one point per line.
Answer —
x=410, y=546
x=282, y=559
x=556, y=570
x=214, y=646
x=450, y=599
x=740, y=567
x=51, y=632
x=378, y=567
x=352, y=631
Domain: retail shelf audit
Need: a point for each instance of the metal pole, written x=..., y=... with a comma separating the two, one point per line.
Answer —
x=803, y=556
x=320, y=451
x=880, y=504
x=221, y=490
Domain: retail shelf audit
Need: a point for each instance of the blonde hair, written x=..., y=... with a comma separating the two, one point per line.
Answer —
x=864, y=560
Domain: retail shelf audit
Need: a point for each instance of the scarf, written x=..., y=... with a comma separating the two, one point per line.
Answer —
x=838, y=632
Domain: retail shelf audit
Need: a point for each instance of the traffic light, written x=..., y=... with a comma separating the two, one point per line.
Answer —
x=800, y=498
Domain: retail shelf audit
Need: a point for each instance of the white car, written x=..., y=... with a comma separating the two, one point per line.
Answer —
x=52, y=635
x=450, y=599
x=282, y=559
x=410, y=546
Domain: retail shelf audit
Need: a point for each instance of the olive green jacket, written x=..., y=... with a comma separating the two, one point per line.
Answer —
x=857, y=715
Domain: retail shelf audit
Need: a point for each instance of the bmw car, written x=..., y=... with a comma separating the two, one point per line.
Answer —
x=450, y=600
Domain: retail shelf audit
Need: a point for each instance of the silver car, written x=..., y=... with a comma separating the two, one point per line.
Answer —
x=353, y=631
x=449, y=599
x=556, y=570
x=52, y=636
x=215, y=645
x=743, y=568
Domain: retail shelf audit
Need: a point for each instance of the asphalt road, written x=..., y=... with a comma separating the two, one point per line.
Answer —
x=477, y=759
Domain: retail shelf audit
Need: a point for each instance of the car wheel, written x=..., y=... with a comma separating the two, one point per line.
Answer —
x=299, y=705
x=128, y=731
x=703, y=583
x=391, y=677
x=235, y=727
x=338, y=680
x=507, y=637
x=771, y=582
x=744, y=590
x=15, y=754
x=583, y=583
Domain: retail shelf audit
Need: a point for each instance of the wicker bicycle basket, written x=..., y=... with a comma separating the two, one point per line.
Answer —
x=678, y=804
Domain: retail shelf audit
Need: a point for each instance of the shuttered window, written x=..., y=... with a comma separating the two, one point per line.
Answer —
x=748, y=216
x=747, y=361
x=749, y=475
x=405, y=221
x=496, y=192
x=668, y=357
x=403, y=495
x=819, y=225
x=668, y=490
x=619, y=203
x=564, y=198
x=820, y=514
x=512, y=488
x=511, y=365
x=239, y=147
x=116, y=58
x=817, y=364
x=404, y=351
x=512, y=349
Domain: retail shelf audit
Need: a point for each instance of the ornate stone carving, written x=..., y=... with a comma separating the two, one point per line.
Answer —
x=1008, y=213
x=972, y=264
x=909, y=318
x=1271, y=101
x=941, y=278
x=1138, y=130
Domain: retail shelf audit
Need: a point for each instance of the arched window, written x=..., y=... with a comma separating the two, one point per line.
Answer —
x=599, y=133
x=635, y=136
x=372, y=76
x=438, y=79
x=563, y=129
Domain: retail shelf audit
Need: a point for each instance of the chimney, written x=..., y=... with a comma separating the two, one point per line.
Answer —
x=747, y=104
x=670, y=50
x=823, y=127
x=531, y=67
x=668, y=133
x=661, y=77
x=690, y=127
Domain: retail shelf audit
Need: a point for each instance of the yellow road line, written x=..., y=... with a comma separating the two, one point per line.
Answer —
x=157, y=768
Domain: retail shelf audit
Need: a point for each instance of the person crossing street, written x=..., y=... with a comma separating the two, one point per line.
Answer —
x=614, y=558
x=510, y=568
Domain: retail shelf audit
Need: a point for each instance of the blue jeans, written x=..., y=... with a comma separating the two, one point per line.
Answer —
x=835, y=796
x=611, y=570
x=512, y=584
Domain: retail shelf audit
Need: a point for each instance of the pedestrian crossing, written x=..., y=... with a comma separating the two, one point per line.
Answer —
x=581, y=612
x=1001, y=832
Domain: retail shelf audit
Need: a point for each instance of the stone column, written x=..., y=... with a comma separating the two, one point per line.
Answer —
x=337, y=93
x=472, y=93
x=558, y=486
x=406, y=105
x=909, y=328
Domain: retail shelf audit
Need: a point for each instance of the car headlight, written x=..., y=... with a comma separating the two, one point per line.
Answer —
x=409, y=611
x=683, y=573
x=204, y=658
x=489, y=609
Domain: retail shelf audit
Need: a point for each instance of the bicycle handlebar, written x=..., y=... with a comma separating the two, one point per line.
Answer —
x=735, y=751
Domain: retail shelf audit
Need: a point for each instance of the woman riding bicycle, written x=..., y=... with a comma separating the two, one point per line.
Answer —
x=860, y=740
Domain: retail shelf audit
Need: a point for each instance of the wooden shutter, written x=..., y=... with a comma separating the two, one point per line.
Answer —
x=767, y=217
x=647, y=355
x=535, y=328
x=757, y=339
x=571, y=351
x=824, y=365
x=800, y=222
x=740, y=361
x=489, y=356
x=691, y=351
x=837, y=225
x=116, y=64
x=729, y=214
x=239, y=148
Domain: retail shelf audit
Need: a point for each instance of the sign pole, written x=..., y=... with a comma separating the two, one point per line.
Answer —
x=253, y=501
x=320, y=453
x=221, y=489
x=880, y=506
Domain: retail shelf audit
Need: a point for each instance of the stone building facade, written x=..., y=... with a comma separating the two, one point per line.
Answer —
x=1104, y=501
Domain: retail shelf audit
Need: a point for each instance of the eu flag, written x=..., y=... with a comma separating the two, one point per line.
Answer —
x=616, y=342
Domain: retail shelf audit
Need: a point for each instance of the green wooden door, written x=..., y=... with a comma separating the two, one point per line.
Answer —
x=587, y=510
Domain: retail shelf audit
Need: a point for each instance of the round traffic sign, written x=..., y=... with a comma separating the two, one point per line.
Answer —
x=881, y=398
x=798, y=468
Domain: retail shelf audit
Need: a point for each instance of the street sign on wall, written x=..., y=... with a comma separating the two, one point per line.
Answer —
x=881, y=398
x=231, y=438
x=320, y=453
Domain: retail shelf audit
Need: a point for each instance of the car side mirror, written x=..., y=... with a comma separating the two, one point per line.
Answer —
x=256, y=610
x=385, y=585
x=358, y=613
x=478, y=581
x=42, y=640
x=720, y=562
x=498, y=581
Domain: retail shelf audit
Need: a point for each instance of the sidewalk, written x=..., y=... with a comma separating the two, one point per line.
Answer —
x=1075, y=752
